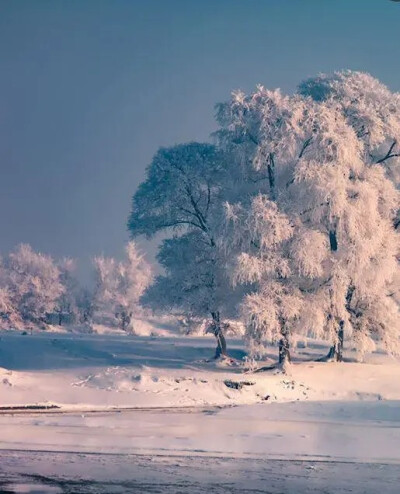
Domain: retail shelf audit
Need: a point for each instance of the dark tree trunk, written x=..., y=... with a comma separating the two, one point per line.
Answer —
x=221, y=345
x=336, y=351
x=284, y=350
x=219, y=335
x=125, y=318
x=271, y=175
x=284, y=345
x=333, y=241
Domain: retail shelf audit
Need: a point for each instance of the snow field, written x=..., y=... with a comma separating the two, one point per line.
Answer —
x=105, y=371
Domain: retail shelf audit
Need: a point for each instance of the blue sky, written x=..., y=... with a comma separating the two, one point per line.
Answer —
x=89, y=89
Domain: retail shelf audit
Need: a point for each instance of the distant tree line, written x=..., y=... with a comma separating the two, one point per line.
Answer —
x=36, y=291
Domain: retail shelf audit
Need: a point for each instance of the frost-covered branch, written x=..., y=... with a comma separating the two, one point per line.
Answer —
x=389, y=154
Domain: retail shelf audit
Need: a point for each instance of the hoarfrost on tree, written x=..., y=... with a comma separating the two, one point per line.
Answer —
x=303, y=155
x=119, y=286
x=182, y=196
x=33, y=286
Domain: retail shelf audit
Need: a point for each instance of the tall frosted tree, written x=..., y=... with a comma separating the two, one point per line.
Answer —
x=182, y=197
x=373, y=112
x=270, y=311
x=302, y=155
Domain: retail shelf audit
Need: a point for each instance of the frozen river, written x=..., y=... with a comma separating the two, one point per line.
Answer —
x=72, y=473
x=333, y=447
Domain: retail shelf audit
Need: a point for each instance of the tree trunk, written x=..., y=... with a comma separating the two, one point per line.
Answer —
x=125, y=318
x=284, y=350
x=335, y=353
x=217, y=331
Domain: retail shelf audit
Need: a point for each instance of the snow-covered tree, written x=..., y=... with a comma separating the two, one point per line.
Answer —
x=263, y=234
x=370, y=108
x=183, y=196
x=135, y=275
x=194, y=284
x=9, y=317
x=105, y=288
x=85, y=304
x=303, y=155
x=119, y=285
x=33, y=285
x=67, y=305
x=373, y=112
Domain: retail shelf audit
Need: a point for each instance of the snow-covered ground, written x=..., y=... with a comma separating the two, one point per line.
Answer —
x=322, y=428
x=106, y=371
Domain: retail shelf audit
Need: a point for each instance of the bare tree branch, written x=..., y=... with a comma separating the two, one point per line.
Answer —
x=306, y=143
x=389, y=154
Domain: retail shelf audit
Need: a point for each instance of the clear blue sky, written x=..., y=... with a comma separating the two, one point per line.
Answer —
x=89, y=89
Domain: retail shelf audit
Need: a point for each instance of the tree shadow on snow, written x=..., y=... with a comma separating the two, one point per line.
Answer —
x=56, y=352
